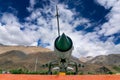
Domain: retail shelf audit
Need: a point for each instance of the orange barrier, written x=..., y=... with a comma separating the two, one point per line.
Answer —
x=58, y=77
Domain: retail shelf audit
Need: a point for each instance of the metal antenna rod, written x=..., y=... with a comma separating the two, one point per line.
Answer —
x=57, y=15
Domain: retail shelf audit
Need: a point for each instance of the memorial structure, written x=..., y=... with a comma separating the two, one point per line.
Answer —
x=63, y=47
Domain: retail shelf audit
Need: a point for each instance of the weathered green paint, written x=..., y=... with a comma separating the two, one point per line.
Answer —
x=63, y=43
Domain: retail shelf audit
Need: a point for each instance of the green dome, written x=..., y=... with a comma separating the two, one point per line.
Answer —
x=63, y=43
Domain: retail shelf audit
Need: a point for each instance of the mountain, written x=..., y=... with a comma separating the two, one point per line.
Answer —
x=85, y=59
x=13, y=53
x=109, y=62
x=15, y=59
x=25, y=49
x=111, y=59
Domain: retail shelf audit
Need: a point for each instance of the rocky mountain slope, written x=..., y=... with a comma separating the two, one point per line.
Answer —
x=111, y=59
x=15, y=57
x=85, y=59
x=22, y=57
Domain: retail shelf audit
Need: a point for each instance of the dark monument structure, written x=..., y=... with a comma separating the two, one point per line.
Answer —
x=63, y=47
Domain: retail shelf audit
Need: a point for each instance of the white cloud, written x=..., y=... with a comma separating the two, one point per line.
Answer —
x=31, y=7
x=45, y=28
x=107, y=3
x=10, y=33
x=113, y=24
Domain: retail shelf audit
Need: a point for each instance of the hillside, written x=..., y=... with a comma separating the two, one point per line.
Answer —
x=85, y=59
x=16, y=57
x=25, y=49
x=111, y=59
x=111, y=62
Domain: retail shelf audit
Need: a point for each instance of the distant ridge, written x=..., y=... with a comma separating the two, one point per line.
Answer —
x=13, y=53
x=25, y=49
x=111, y=59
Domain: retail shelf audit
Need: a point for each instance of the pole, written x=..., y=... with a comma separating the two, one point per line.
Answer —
x=36, y=61
x=57, y=15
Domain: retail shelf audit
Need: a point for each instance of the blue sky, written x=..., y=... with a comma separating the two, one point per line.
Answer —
x=93, y=25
